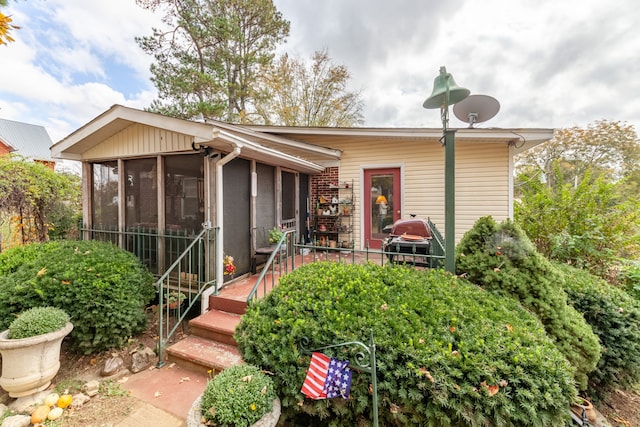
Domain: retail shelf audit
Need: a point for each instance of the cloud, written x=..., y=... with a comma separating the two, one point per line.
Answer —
x=550, y=64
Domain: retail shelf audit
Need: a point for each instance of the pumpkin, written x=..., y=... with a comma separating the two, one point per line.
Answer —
x=64, y=401
x=40, y=414
x=51, y=399
x=55, y=413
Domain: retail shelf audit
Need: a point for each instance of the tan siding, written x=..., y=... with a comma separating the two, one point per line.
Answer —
x=139, y=140
x=481, y=178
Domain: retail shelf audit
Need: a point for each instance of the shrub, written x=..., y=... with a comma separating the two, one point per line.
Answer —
x=500, y=258
x=629, y=278
x=238, y=396
x=103, y=288
x=37, y=321
x=448, y=353
x=615, y=317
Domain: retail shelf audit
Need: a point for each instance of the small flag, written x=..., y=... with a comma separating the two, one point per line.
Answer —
x=327, y=377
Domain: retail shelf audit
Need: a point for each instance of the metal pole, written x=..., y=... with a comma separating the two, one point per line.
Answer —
x=450, y=200
x=374, y=379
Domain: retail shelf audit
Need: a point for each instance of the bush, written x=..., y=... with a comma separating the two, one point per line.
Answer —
x=103, y=288
x=615, y=318
x=448, y=353
x=37, y=321
x=500, y=258
x=238, y=396
x=629, y=277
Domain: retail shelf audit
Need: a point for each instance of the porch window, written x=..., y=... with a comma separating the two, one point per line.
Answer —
x=105, y=195
x=288, y=197
x=141, y=193
x=184, y=192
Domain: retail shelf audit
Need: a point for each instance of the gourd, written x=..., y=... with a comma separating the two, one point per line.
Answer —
x=55, y=413
x=39, y=415
x=64, y=401
x=51, y=399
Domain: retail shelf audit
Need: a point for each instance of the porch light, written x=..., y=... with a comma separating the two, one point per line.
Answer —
x=446, y=92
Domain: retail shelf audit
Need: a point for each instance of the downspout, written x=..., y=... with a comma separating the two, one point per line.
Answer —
x=220, y=212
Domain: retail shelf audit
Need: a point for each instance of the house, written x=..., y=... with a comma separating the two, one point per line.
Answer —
x=30, y=141
x=141, y=169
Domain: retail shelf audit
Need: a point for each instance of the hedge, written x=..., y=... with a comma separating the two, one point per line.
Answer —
x=448, y=352
x=103, y=288
x=501, y=259
x=615, y=318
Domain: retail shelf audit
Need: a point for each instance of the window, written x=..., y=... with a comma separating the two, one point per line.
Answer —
x=105, y=195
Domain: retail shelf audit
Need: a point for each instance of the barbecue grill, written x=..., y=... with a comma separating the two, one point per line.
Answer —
x=409, y=242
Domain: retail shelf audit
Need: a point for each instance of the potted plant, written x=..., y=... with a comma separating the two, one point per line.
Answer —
x=30, y=350
x=174, y=299
x=275, y=234
x=241, y=395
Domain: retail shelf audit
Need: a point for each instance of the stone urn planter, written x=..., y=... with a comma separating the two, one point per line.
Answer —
x=29, y=364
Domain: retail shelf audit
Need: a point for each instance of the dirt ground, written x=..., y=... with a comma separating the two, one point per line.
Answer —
x=113, y=404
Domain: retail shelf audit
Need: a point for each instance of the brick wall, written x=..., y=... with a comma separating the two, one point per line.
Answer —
x=320, y=184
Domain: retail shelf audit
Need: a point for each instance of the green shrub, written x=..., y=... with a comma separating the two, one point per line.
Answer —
x=12, y=259
x=629, y=278
x=37, y=321
x=501, y=259
x=444, y=346
x=615, y=317
x=103, y=288
x=238, y=396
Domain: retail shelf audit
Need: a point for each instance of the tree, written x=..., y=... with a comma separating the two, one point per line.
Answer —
x=6, y=26
x=607, y=149
x=586, y=225
x=32, y=194
x=207, y=61
x=293, y=94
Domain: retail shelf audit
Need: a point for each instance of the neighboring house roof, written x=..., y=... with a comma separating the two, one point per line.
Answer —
x=31, y=141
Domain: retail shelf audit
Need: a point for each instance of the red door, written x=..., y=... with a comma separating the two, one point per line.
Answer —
x=382, y=204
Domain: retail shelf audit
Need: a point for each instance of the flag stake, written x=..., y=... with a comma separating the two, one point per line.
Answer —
x=362, y=363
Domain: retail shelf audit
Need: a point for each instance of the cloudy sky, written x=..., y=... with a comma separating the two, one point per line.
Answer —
x=549, y=63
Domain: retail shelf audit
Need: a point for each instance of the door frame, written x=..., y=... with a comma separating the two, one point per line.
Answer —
x=365, y=171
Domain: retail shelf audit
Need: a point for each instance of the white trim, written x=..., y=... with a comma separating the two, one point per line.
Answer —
x=511, y=198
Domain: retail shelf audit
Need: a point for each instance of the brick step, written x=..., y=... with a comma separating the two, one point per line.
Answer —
x=202, y=355
x=215, y=325
x=230, y=305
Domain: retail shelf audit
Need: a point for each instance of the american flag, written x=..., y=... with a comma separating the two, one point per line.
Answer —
x=327, y=377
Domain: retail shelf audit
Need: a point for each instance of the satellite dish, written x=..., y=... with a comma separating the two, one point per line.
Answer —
x=476, y=109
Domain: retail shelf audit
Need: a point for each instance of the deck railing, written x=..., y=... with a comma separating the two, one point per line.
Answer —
x=280, y=261
x=191, y=260
x=186, y=285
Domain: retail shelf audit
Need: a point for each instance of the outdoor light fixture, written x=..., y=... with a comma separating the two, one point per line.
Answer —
x=445, y=93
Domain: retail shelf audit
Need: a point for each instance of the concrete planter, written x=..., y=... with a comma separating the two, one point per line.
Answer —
x=29, y=364
x=270, y=419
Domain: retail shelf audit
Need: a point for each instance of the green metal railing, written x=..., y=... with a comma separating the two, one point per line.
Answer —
x=192, y=265
x=181, y=281
x=155, y=249
x=283, y=251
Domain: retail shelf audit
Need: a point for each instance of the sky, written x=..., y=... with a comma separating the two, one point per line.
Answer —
x=549, y=63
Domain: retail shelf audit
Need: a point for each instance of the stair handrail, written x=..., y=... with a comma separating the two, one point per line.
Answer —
x=194, y=293
x=287, y=237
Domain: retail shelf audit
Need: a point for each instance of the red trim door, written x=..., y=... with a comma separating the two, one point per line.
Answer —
x=382, y=204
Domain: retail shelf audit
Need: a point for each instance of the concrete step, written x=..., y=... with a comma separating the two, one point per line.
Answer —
x=215, y=325
x=231, y=305
x=202, y=355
